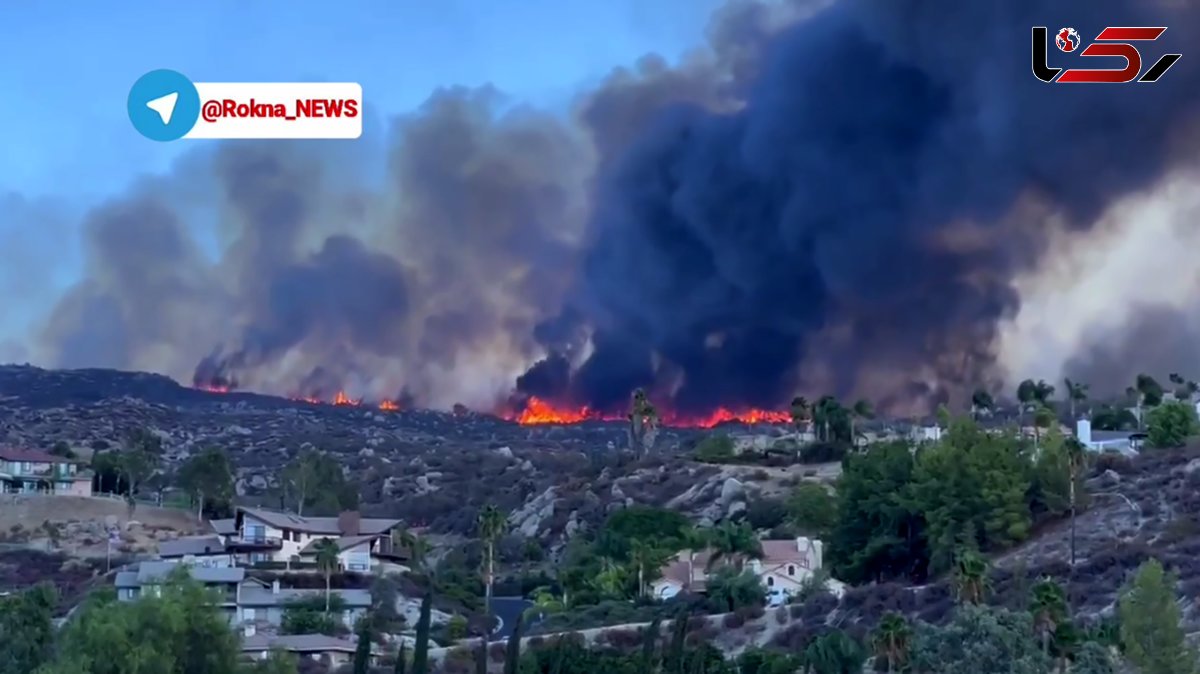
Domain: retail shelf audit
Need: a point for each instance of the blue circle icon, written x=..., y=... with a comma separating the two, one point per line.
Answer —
x=163, y=105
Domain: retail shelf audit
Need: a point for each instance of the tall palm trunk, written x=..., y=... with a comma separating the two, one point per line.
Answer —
x=491, y=576
x=327, y=591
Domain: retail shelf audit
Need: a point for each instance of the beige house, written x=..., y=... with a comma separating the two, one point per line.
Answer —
x=332, y=651
x=32, y=471
x=784, y=569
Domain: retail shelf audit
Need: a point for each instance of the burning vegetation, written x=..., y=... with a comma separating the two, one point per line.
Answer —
x=535, y=411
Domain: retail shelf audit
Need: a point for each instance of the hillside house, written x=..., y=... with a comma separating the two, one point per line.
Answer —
x=262, y=605
x=331, y=651
x=784, y=569
x=205, y=551
x=256, y=535
x=32, y=471
x=1124, y=442
x=241, y=599
x=149, y=577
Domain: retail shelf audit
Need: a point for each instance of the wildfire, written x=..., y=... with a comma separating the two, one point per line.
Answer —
x=342, y=399
x=541, y=412
x=389, y=406
x=214, y=389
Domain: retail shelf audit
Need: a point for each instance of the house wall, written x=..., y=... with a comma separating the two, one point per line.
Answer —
x=356, y=559
x=77, y=488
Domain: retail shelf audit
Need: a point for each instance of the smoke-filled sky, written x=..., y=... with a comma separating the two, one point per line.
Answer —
x=726, y=205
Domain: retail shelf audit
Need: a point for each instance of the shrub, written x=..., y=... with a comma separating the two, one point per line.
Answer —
x=781, y=615
x=715, y=449
x=733, y=621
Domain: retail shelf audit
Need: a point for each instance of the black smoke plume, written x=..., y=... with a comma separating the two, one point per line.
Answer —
x=829, y=197
x=859, y=216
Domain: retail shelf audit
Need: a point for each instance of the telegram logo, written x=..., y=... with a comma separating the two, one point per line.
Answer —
x=163, y=105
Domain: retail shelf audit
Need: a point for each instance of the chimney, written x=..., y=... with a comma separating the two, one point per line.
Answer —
x=248, y=630
x=1083, y=432
x=818, y=552
x=348, y=523
x=275, y=586
x=801, y=543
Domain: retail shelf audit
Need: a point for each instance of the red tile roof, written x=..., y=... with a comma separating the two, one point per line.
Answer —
x=32, y=456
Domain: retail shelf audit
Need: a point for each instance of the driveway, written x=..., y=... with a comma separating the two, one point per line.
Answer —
x=507, y=610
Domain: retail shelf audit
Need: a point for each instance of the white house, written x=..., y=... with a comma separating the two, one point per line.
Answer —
x=784, y=569
x=1124, y=442
x=257, y=535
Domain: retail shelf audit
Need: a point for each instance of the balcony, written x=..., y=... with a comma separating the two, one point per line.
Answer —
x=246, y=543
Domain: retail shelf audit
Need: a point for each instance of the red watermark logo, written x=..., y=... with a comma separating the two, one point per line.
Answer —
x=1112, y=42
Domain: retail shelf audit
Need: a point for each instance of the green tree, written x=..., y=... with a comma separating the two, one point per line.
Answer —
x=979, y=639
x=1092, y=658
x=1171, y=424
x=801, y=413
x=717, y=448
x=643, y=423
x=402, y=659
x=278, y=661
x=971, y=490
x=1077, y=394
x=309, y=615
x=971, y=577
x=892, y=641
x=729, y=589
x=646, y=560
x=176, y=631
x=328, y=563
x=1048, y=606
x=861, y=410
x=314, y=482
x=362, y=648
x=834, y=653
x=878, y=532
x=512, y=656
x=812, y=509
x=492, y=525
x=417, y=547
x=208, y=478
x=421, y=649
x=733, y=542
x=1027, y=392
x=1150, y=623
x=27, y=629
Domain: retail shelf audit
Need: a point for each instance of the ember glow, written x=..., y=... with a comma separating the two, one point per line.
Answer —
x=340, y=399
x=541, y=412
x=214, y=389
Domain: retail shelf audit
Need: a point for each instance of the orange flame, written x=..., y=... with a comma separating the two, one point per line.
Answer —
x=214, y=389
x=541, y=412
x=389, y=406
x=342, y=399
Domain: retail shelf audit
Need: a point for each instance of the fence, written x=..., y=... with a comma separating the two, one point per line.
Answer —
x=174, y=501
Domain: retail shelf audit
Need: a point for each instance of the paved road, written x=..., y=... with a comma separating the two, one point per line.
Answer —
x=507, y=610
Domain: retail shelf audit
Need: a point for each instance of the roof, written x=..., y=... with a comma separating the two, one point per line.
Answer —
x=300, y=643
x=676, y=570
x=224, y=527
x=783, y=552
x=343, y=543
x=256, y=595
x=191, y=545
x=32, y=456
x=318, y=525
x=151, y=572
x=1109, y=436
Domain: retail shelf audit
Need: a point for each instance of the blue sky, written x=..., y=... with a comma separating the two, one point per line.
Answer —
x=68, y=71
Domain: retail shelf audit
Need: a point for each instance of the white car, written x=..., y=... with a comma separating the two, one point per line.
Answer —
x=776, y=597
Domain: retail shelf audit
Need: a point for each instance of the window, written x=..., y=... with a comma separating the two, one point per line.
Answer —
x=359, y=566
x=248, y=614
x=770, y=581
x=791, y=569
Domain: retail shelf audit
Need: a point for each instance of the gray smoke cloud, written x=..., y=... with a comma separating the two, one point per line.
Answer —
x=827, y=197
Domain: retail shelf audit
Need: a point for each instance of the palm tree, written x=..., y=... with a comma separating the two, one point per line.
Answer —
x=611, y=581
x=801, y=416
x=892, y=639
x=971, y=577
x=1043, y=417
x=981, y=401
x=734, y=542
x=1148, y=394
x=418, y=547
x=1026, y=394
x=643, y=557
x=328, y=564
x=823, y=413
x=1076, y=393
x=492, y=524
x=545, y=601
x=1049, y=607
x=643, y=422
x=695, y=538
x=1185, y=390
x=1042, y=392
x=861, y=410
